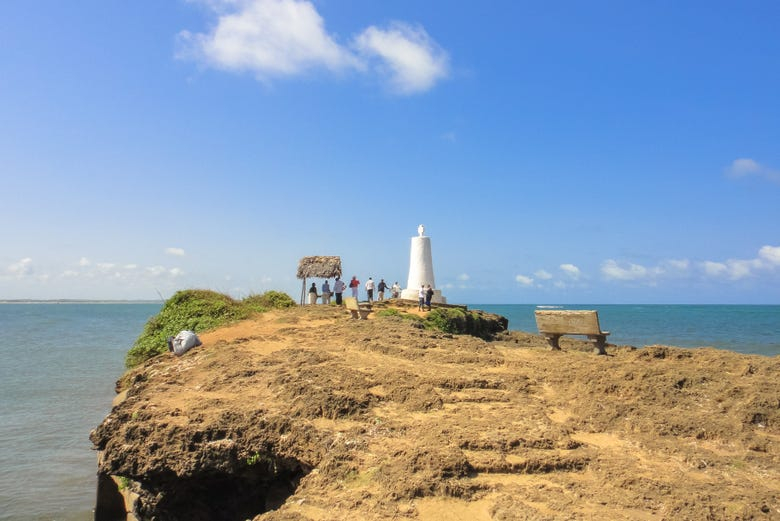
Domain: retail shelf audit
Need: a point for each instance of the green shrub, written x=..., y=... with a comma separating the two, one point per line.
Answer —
x=197, y=310
x=449, y=320
x=393, y=312
x=270, y=300
x=460, y=321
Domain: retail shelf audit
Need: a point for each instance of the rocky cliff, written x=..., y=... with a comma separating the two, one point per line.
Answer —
x=305, y=414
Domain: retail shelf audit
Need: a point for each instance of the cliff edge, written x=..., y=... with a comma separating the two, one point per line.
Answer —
x=306, y=414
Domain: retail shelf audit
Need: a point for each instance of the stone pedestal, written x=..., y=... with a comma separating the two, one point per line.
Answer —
x=421, y=269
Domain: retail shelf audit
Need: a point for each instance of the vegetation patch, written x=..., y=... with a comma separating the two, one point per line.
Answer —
x=393, y=312
x=464, y=322
x=198, y=310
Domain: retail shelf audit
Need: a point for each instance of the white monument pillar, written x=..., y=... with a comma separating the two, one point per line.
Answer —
x=421, y=268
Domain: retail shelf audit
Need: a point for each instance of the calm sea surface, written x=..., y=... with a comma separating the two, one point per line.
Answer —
x=58, y=366
x=59, y=363
x=745, y=329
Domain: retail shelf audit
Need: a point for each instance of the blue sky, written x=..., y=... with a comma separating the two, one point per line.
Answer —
x=556, y=152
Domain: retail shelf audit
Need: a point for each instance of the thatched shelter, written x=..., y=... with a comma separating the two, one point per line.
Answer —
x=318, y=267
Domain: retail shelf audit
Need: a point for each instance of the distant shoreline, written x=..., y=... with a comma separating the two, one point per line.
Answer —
x=77, y=301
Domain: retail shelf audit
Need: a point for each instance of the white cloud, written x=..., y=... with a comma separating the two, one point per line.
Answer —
x=543, y=275
x=739, y=269
x=768, y=259
x=175, y=272
x=744, y=167
x=770, y=255
x=612, y=270
x=84, y=262
x=270, y=38
x=571, y=270
x=523, y=280
x=22, y=268
x=176, y=252
x=284, y=38
x=463, y=277
x=678, y=264
x=408, y=57
x=156, y=271
x=714, y=269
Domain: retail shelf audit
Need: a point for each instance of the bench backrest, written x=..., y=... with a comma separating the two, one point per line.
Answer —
x=579, y=322
x=351, y=303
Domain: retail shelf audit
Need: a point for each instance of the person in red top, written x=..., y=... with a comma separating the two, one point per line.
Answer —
x=354, y=284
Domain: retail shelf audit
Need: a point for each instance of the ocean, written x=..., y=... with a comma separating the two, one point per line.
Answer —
x=745, y=329
x=60, y=363
x=59, y=366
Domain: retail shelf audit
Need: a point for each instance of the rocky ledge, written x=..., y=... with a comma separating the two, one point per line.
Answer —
x=305, y=414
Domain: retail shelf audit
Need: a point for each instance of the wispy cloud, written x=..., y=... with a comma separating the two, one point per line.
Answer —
x=176, y=252
x=406, y=55
x=746, y=167
x=611, y=270
x=571, y=271
x=768, y=259
x=286, y=38
x=22, y=268
x=543, y=275
x=770, y=255
x=524, y=280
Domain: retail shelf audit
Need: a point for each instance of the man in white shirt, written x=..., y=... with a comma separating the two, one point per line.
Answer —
x=370, y=289
x=338, y=289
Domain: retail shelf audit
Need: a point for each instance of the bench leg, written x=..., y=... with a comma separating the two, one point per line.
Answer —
x=354, y=313
x=600, y=344
x=553, y=341
x=364, y=314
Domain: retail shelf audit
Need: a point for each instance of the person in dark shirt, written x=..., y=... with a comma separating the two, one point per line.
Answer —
x=428, y=296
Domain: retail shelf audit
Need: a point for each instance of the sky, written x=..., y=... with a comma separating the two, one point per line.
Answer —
x=556, y=152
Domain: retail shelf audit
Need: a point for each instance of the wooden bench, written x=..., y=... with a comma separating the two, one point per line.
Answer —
x=553, y=324
x=354, y=307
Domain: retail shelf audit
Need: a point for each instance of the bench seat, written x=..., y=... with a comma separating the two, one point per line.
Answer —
x=357, y=310
x=553, y=324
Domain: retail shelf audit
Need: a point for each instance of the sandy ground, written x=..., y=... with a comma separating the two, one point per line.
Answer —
x=384, y=420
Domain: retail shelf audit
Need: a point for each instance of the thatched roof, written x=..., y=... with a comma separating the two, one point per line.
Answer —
x=321, y=267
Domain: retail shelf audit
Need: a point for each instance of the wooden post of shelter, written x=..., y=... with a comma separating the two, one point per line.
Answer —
x=317, y=267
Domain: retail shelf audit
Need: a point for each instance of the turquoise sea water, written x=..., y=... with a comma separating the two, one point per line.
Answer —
x=745, y=329
x=59, y=363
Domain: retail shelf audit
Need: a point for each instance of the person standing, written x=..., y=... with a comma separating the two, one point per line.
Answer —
x=381, y=287
x=313, y=294
x=421, y=298
x=338, y=289
x=396, y=290
x=326, y=292
x=353, y=285
x=428, y=296
x=370, y=289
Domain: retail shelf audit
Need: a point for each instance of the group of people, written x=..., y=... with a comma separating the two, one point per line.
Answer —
x=424, y=297
x=354, y=285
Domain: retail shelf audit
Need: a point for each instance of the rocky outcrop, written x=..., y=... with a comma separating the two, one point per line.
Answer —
x=305, y=414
